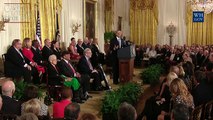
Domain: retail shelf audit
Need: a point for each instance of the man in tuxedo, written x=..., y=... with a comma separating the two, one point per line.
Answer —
x=68, y=70
x=36, y=52
x=115, y=44
x=10, y=105
x=46, y=51
x=85, y=68
x=16, y=65
x=85, y=43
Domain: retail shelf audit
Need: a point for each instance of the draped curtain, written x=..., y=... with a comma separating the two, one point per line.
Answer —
x=143, y=21
x=109, y=15
x=47, y=10
x=199, y=33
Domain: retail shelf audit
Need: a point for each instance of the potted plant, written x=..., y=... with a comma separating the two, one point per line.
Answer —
x=129, y=92
x=20, y=87
x=152, y=74
x=108, y=36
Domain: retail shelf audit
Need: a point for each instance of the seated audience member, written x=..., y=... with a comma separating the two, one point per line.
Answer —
x=80, y=48
x=46, y=50
x=180, y=112
x=68, y=70
x=32, y=106
x=31, y=92
x=152, y=55
x=56, y=78
x=85, y=43
x=85, y=68
x=88, y=116
x=37, y=55
x=73, y=50
x=201, y=91
x=97, y=55
x=58, y=107
x=29, y=55
x=16, y=65
x=10, y=105
x=180, y=95
x=56, y=49
x=71, y=111
x=154, y=105
x=186, y=57
x=28, y=116
x=126, y=112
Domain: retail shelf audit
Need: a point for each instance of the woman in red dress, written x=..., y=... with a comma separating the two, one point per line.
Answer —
x=74, y=55
x=29, y=55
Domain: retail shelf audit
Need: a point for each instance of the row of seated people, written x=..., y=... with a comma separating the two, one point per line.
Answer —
x=10, y=108
x=30, y=107
x=25, y=62
x=173, y=55
x=182, y=85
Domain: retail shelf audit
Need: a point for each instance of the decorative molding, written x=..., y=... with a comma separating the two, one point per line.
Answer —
x=2, y=23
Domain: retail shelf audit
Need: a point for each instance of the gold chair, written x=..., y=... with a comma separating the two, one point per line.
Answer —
x=196, y=113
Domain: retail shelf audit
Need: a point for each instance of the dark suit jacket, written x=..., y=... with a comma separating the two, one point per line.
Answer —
x=65, y=69
x=14, y=63
x=114, y=42
x=57, y=53
x=202, y=94
x=46, y=52
x=97, y=56
x=80, y=50
x=83, y=66
x=37, y=55
x=53, y=75
x=10, y=106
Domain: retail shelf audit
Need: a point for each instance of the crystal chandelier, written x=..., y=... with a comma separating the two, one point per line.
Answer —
x=202, y=5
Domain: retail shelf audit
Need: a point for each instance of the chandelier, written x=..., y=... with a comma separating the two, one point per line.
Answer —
x=202, y=5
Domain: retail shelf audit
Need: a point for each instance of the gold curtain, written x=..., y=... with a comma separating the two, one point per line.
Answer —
x=47, y=10
x=199, y=33
x=109, y=15
x=28, y=13
x=143, y=21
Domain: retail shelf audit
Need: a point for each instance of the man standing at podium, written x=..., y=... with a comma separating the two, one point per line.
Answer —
x=115, y=44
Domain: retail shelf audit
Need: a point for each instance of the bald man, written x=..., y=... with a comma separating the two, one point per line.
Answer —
x=10, y=105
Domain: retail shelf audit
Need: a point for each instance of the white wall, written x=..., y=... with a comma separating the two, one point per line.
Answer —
x=171, y=10
x=121, y=8
x=12, y=30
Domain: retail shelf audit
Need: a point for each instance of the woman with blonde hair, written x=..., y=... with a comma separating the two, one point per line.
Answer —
x=180, y=93
x=27, y=52
x=32, y=106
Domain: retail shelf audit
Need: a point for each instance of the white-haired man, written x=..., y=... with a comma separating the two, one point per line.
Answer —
x=10, y=105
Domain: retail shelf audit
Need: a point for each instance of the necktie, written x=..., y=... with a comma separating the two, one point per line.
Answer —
x=55, y=68
x=21, y=55
x=73, y=70
x=90, y=65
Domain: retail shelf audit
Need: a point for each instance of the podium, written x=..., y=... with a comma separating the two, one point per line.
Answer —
x=126, y=57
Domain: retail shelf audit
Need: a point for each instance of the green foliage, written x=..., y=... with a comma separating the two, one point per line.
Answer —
x=108, y=36
x=129, y=92
x=20, y=87
x=152, y=74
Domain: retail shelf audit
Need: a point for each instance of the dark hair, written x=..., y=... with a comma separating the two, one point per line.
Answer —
x=72, y=38
x=53, y=43
x=15, y=41
x=180, y=112
x=71, y=111
x=66, y=92
x=188, y=68
x=125, y=108
x=34, y=42
x=200, y=76
x=30, y=92
x=65, y=53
